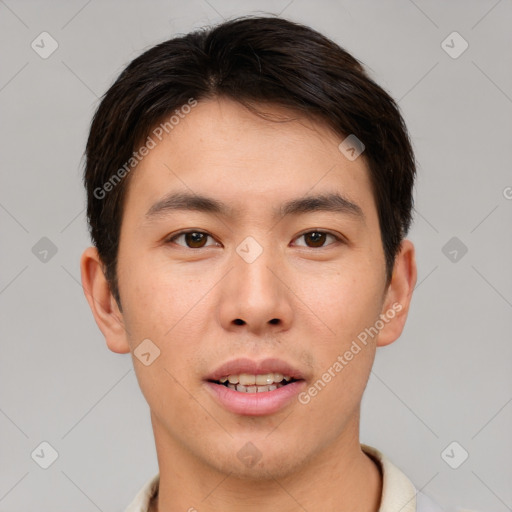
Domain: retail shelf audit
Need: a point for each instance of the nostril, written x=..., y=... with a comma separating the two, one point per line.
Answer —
x=238, y=321
x=274, y=321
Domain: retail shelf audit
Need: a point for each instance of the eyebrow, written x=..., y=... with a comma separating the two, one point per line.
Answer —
x=331, y=202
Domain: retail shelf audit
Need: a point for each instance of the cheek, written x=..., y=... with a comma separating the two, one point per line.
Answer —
x=344, y=298
x=165, y=306
x=155, y=296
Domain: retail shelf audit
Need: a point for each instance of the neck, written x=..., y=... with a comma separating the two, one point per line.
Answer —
x=340, y=477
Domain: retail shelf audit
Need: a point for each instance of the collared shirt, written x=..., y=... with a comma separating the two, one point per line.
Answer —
x=398, y=493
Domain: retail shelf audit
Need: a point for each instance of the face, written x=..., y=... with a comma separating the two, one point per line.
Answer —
x=251, y=247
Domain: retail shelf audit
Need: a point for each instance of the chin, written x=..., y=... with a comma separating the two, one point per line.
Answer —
x=266, y=463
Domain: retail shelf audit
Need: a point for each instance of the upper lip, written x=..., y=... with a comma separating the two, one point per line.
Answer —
x=252, y=367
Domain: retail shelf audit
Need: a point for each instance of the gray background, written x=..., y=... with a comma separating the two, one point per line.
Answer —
x=449, y=376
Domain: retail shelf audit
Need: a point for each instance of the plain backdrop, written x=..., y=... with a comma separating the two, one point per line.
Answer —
x=442, y=392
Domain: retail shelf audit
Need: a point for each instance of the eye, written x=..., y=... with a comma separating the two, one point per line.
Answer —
x=192, y=239
x=315, y=239
x=198, y=239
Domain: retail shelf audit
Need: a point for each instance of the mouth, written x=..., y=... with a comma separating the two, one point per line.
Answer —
x=250, y=388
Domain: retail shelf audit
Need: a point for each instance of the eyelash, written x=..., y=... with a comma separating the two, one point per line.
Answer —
x=181, y=233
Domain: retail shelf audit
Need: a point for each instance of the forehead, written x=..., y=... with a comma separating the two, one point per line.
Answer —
x=222, y=150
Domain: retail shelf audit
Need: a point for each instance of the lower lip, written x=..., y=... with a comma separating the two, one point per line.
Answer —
x=255, y=404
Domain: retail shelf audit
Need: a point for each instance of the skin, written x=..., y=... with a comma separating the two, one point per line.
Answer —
x=189, y=302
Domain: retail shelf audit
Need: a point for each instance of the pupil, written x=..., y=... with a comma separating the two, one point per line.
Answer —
x=195, y=239
x=317, y=238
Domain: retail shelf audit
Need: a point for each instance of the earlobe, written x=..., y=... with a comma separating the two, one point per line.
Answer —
x=102, y=302
x=399, y=294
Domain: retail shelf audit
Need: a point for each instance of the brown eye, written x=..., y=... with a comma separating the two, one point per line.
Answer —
x=317, y=239
x=195, y=240
x=192, y=239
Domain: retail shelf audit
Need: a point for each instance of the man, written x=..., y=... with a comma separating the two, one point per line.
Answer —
x=249, y=193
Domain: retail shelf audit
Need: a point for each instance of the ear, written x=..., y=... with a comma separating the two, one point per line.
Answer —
x=102, y=303
x=398, y=295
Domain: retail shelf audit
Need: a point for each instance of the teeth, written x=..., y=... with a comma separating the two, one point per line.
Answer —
x=265, y=380
x=254, y=389
x=248, y=380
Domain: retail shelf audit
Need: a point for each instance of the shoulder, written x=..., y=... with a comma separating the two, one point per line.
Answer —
x=398, y=492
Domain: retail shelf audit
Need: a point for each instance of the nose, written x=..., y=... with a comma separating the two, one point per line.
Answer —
x=255, y=297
